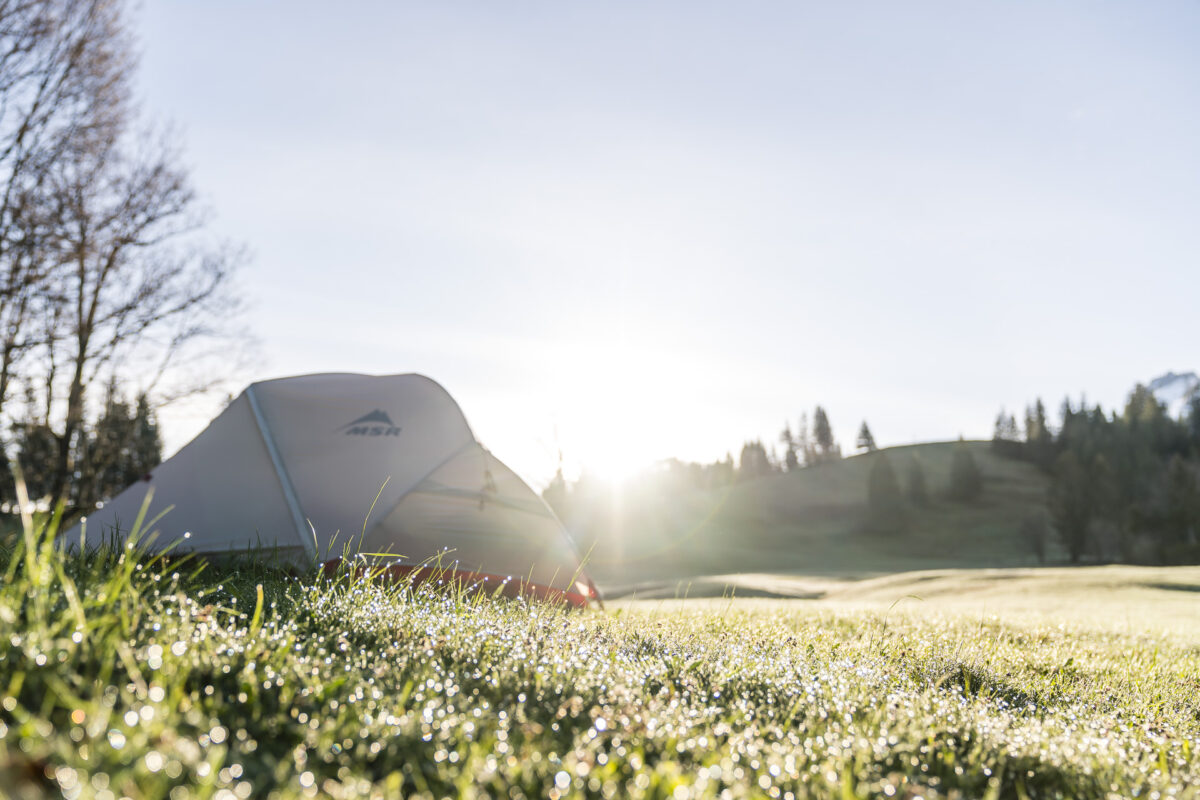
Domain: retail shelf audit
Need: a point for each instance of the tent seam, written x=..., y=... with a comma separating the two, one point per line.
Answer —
x=385, y=514
x=285, y=481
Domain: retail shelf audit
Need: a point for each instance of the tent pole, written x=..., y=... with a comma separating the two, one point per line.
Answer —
x=289, y=493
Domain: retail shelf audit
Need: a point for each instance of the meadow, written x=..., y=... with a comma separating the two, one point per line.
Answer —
x=660, y=528
x=126, y=676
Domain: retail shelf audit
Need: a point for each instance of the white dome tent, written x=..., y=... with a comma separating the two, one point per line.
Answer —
x=295, y=465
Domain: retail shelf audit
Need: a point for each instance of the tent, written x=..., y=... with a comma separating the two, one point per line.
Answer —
x=310, y=465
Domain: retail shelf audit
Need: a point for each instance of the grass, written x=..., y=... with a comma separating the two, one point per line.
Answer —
x=1109, y=599
x=124, y=676
x=810, y=522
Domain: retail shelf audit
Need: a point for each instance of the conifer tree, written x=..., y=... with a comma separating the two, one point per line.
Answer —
x=1142, y=406
x=826, y=447
x=1102, y=486
x=1006, y=439
x=753, y=462
x=1039, y=415
x=791, y=460
x=1005, y=428
x=1070, y=504
x=865, y=440
x=37, y=449
x=102, y=465
x=1039, y=439
x=1036, y=427
x=1182, y=505
x=146, y=452
x=120, y=449
x=1193, y=423
x=723, y=471
x=805, y=450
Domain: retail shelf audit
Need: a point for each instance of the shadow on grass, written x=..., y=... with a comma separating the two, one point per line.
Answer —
x=1173, y=587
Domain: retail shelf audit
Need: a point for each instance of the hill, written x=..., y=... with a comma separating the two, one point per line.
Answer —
x=809, y=521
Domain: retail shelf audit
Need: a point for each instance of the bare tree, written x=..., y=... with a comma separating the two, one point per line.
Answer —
x=133, y=282
x=62, y=64
x=104, y=266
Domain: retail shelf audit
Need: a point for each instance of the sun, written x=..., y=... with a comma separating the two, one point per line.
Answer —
x=611, y=417
x=613, y=456
x=605, y=438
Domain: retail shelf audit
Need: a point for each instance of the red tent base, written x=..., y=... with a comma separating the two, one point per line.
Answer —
x=585, y=593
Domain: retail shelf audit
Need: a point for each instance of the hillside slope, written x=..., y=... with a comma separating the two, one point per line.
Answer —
x=810, y=522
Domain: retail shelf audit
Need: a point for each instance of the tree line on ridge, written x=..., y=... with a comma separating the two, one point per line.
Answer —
x=1124, y=486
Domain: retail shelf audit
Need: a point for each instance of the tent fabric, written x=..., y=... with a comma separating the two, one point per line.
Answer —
x=487, y=529
x=317, y=466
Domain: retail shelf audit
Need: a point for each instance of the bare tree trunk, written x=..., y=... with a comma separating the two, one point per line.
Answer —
x=85, y=320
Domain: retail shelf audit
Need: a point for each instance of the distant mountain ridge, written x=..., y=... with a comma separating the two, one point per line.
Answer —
x=1176, y=390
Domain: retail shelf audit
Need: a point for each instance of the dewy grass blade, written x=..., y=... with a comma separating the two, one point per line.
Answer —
x=256, y=621
x=371, y=510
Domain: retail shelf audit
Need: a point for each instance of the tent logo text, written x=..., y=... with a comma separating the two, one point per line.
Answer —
x=376, y=423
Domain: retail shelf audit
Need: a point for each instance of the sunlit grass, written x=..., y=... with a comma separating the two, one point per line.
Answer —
x=123, y=676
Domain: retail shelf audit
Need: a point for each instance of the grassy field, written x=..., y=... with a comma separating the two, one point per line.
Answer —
x=811, y=522
x=1119, y=600
x=127, y=678
x=1110, y=599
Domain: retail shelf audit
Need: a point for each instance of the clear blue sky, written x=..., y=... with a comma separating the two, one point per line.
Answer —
x=656, y=229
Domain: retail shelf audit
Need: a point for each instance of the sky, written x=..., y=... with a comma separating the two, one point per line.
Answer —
x=628, y=231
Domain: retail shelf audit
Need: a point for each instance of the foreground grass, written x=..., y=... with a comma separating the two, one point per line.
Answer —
x=127, y=679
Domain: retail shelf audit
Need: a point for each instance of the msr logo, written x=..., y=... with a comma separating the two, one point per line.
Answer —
x=377, y=423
